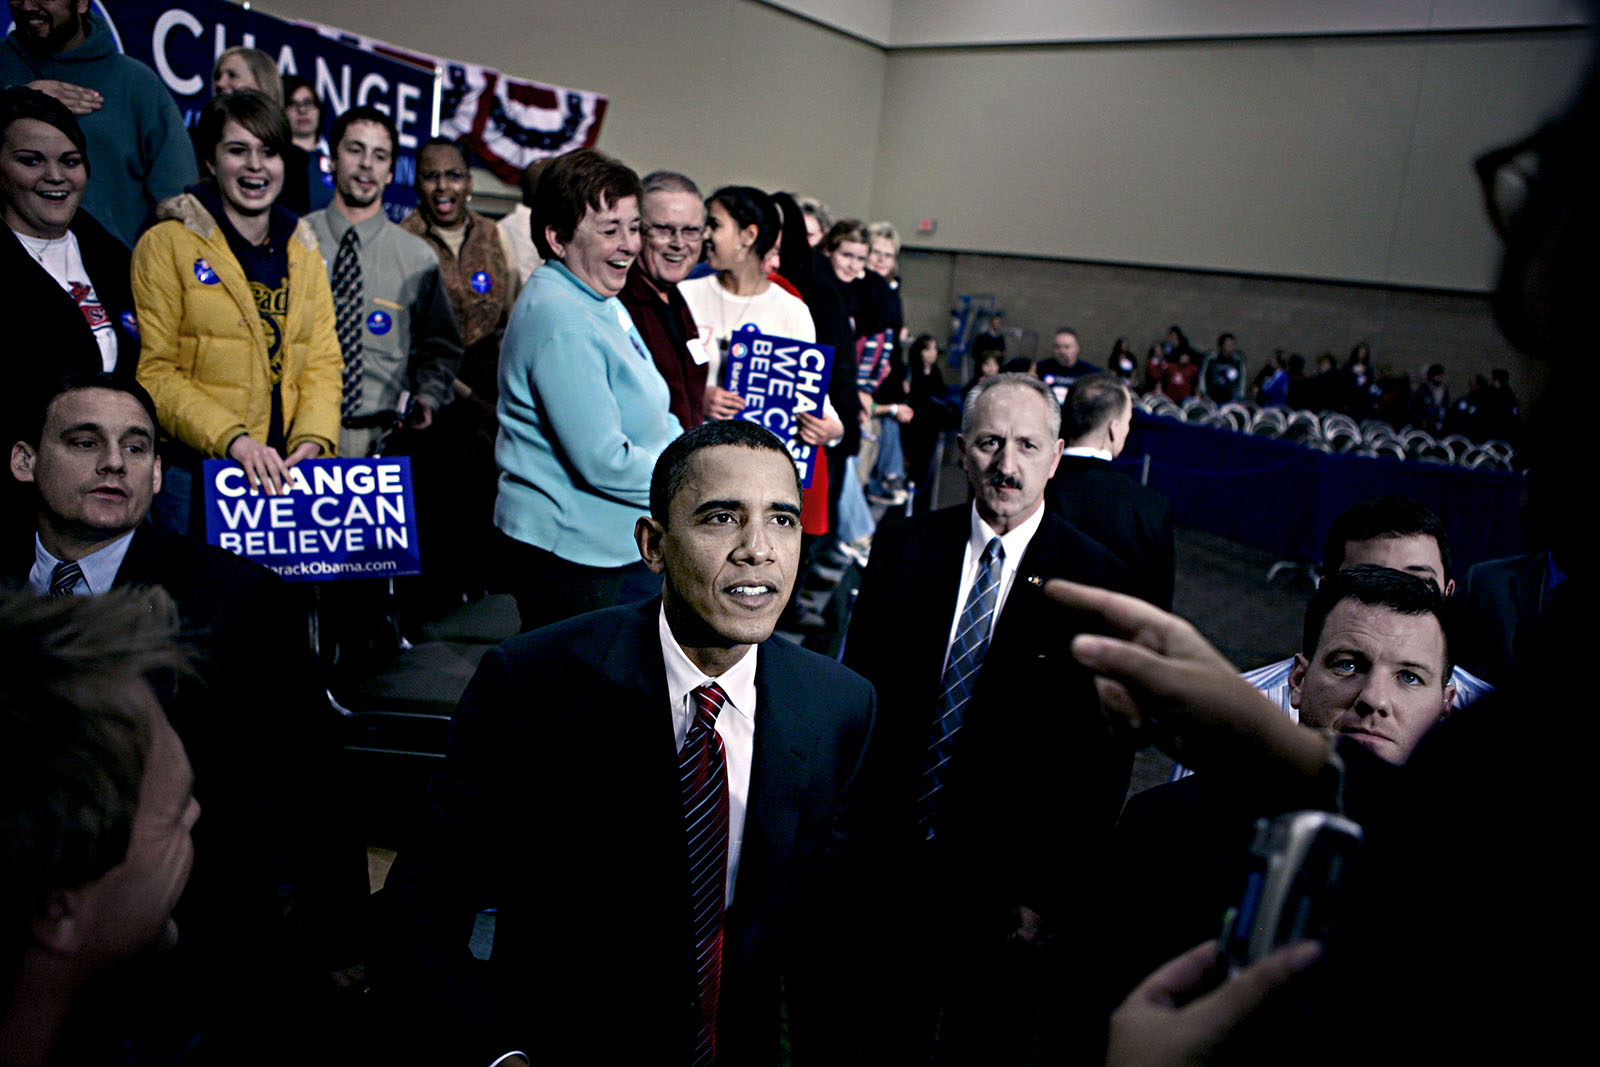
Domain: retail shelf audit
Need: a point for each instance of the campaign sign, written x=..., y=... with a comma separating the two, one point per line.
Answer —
x=339, y=518
x=780, y=378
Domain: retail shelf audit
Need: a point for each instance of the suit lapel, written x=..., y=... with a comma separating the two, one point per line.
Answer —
x=633, y=666
x=142, y=563
x=937, y=566
x=1025, y=605
x=785, y=742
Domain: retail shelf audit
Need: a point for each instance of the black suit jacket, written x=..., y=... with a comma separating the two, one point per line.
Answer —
x=272, y=838
x=1181, y=854
x=1505, y=600
x=1036, y=779
x=561, y=809
x=1132, y=520
x=47, y=337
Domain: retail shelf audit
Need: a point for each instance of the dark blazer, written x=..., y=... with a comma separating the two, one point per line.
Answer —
x=1504, y=598
x=1036, y=779
x=561, y=809
x=46, y=336
x=272, y=838
x=1181, y=855
x=1132, y=520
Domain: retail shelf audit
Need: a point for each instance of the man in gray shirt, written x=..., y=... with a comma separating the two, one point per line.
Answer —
x=396, y=328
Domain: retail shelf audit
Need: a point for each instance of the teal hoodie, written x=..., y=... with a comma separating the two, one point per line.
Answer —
x=139, y=151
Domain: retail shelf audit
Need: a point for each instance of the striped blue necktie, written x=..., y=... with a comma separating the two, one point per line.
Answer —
x=65, y=578
x=960, y=674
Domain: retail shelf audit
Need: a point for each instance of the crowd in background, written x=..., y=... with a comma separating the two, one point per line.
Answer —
x=564, y=399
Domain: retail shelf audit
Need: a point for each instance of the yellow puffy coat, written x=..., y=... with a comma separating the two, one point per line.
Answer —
x=204, y=348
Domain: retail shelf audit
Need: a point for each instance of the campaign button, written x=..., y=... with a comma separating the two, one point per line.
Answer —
x=379, y=323
x=130, y=324
x=203, y=271
x=481, y=282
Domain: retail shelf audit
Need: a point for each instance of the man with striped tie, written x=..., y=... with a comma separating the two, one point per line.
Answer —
x=998, y=782
x=642, y=839
x=255, y=721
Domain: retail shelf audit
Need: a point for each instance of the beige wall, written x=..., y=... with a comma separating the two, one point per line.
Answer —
x=726, y=91
x=1336, y=158
x=1340, y=158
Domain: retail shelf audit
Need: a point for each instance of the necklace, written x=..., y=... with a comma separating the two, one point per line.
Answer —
x=46, y=248
x=740, y=305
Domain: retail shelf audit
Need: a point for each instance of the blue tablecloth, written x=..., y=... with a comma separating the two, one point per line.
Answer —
x=1281, y=497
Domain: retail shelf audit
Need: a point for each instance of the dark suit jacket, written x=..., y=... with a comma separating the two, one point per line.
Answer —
x=1180, y=859
x=1132, y=520
x=271, y=839
x=1504, y=598
x=46, y=336
x=561, y=809
x=1036, y=779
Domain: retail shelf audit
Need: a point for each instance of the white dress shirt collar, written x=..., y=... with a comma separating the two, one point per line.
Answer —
x=1088, y=453
x=1015, y=543
x=736, y=725
x=683, y=677
x=99, y=567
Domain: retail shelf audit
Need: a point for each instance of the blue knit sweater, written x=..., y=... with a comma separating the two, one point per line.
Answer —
x=583, y=416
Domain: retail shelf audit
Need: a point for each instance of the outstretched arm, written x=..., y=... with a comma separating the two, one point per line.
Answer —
x=1166, y=682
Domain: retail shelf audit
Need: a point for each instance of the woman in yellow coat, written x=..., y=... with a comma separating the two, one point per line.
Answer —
x=235, y=315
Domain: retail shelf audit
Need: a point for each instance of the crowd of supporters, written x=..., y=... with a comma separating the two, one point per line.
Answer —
x=574, y=433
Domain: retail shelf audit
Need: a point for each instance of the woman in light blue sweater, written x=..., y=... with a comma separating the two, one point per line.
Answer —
x=583, y=410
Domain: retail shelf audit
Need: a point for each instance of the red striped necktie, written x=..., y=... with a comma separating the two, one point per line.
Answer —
x=703, y=773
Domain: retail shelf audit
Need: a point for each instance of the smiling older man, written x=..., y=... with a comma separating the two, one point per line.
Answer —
x=672, y=223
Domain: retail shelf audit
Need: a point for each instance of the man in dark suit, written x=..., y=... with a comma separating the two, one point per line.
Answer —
x=560, y=904
x=997, y=780
x=1133, y=521
x=1375, y=666
x=256, y=722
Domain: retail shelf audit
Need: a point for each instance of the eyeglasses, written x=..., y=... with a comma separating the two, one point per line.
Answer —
x=1509, y=177
x=660, y=231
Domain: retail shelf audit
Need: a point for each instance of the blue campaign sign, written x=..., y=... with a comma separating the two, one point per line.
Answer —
x=780, y=378
x=340, y=518
x=181, y=39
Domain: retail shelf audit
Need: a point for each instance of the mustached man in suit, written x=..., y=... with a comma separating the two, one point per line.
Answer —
x=646, y=815
x=257, y=726
x=997, y=781
x=1132, y=520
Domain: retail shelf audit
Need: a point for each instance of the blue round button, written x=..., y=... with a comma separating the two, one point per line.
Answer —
x=482, y=282
x=130, y=323
x=379, y=323
x=203, y=271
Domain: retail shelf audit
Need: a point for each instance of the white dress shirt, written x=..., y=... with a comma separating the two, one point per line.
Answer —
x=1014, y=545
x=99, y=567
x=1087, y=452
x=736, y=725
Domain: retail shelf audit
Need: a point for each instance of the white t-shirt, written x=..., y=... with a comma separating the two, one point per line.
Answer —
x=776, y=312
x=62, y=261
